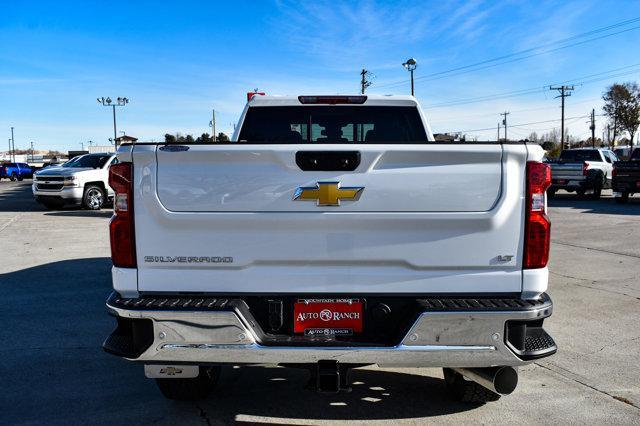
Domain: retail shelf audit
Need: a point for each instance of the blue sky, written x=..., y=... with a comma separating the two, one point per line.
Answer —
x=178, y=60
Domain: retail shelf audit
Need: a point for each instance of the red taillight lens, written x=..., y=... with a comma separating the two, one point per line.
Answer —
x=121, y=227
x=537, y=226
x=585, y=169
x=332, y=100
x=250, y=95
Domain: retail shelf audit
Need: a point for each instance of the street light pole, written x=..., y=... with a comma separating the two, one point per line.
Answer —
x=410, y=66
x=115, y=134
x=212, y=124
x=13, y=146
x=108, y=102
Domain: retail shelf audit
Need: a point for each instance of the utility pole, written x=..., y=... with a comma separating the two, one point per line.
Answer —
x=498, y=132
x=32, y=151
x=504, y=122
x=593, y=128
x=364, y=83
x=9, y=152
x=564, y=92
x=212, y=124
x=13, y=146
x=82, y=146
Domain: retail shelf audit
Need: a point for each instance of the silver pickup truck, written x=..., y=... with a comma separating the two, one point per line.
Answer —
x=582, y=170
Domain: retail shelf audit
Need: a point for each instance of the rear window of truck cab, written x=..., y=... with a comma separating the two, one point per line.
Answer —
x=332, y=124
x=579, y=155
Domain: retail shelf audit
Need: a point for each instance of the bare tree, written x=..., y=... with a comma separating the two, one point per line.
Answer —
x=622, y=106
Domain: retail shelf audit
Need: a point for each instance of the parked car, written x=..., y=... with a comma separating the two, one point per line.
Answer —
x=331, y=233
x=626, y=177
x=81, y=181
x=622, y=152
x=582, y=170
x=15, y=171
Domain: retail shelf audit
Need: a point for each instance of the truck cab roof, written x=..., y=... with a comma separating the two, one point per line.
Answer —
x=377, y=100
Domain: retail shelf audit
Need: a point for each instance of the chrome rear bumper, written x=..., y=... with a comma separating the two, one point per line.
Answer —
x=436, y=339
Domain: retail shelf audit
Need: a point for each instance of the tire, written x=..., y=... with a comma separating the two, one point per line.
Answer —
x=191, y=389
x=20, y=178
x=93, y=198
x=622, y=198
x=13, y=177
x=580, y=193
x=597, y=188
x=464, y=390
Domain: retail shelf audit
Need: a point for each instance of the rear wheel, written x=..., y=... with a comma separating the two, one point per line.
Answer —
x=623, y=198
x=597, y=188
x=190, y=389
x=93, y=197
x=13, y=177
x=464, y=390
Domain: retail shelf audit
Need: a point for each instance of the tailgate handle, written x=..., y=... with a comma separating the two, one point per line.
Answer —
x=328, y=161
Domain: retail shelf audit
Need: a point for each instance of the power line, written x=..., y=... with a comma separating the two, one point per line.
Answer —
x=501, y=59
x=491, y=114
x=522, y=92
x=517, y=125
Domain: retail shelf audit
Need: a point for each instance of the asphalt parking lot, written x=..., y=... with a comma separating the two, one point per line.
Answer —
x=55, y=276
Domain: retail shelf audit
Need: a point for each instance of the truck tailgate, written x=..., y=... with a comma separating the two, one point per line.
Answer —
x=432, y=218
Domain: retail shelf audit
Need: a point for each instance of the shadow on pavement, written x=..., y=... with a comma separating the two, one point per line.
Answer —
x=604, y=205
x=105, y=212
x=54, y=369
x=17, y=197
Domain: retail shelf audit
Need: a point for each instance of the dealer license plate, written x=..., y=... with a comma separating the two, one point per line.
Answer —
x=327, y=317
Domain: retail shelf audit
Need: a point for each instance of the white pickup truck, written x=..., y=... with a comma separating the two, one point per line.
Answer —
x=82, y=181
x=331, y=232
x=582, y=170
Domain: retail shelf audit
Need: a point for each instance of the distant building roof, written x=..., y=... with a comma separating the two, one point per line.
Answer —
x=126, y=138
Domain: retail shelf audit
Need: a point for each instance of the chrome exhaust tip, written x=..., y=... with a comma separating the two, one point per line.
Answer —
x=501, y=380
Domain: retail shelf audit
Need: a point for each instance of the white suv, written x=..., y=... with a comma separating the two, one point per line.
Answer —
x=81, y=181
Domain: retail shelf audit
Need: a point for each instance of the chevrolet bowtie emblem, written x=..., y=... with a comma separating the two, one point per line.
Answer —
x=328, y=193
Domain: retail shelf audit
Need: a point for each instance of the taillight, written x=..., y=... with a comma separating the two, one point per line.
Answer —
x=537, y=225
x=614, y=171
x=250, y=95
x=121, y=227
x=585, y=169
